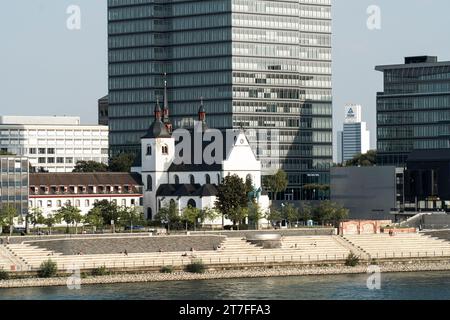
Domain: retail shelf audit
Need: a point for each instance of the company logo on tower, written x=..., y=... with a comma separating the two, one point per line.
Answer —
x=352, y=113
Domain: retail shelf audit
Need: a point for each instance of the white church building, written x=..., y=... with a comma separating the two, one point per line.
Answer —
x=186, y=166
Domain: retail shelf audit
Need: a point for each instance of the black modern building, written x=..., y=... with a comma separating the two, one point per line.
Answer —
x=369, y=193
x=427, y=180
x=413, y=111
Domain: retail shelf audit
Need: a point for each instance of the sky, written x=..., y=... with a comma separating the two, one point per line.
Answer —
x=48, y=69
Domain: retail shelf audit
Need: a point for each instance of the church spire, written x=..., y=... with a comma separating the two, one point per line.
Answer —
x=166, y=119
x=201, y=111
x=166, y=98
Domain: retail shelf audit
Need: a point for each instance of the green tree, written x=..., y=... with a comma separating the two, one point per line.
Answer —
x=90, y=166
x=328, y=211
x=273, y=215
x=237, y=215
x=305, y=213
x=255, y=214
x=7, y=215
x=368, y=159
x=290, y=213
x=168, y=214
x=190, y=216
x=276, y=183
x=94, y=218
x=50, y=221
x=231, y=197
x=131, y=216
x=35, y=217
x=248, y=184
x=339, y=215
x=122, y=162
x=109, y=211
x=208, y=214
x=70, y=215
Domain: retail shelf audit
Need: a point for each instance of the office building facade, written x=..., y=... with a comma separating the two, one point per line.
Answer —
x=355, y=138
x=14, y=180
x=413, y=112
x=260, y=65
x=53, y=144
x=103, y=111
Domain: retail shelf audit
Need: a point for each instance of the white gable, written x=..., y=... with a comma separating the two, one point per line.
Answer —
x=241, y=157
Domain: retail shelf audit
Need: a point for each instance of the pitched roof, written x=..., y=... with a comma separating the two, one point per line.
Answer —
x=186, y=190
x=207, y=190
x=97, y=178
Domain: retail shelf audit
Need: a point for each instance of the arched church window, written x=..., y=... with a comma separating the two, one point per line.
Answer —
x=191, y=179
x=165, y=149
x=149, y=214
x=149, y=183
x=207, y=179
x=177, y=179
x=149, y=150
x=192, y=203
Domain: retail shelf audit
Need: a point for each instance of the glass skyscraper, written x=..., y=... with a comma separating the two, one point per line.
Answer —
x=257, y=64
x=413, y=112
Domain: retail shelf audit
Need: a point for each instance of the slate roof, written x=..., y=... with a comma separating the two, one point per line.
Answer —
x=75, y=179
x=157, y=130
x=186, y=190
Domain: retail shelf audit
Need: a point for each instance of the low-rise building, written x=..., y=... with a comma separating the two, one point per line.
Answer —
x=53, y=144
x=51, y=191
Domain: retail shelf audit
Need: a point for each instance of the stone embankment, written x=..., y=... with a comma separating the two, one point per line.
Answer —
x=410, y=266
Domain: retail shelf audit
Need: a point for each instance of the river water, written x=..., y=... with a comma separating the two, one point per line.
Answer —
x=402, y=286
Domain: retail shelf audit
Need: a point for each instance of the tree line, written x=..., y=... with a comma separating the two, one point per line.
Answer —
x=120, y=163
x=103, y=214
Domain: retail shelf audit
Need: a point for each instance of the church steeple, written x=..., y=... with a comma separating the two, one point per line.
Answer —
x=157, y=111
x=157, y=129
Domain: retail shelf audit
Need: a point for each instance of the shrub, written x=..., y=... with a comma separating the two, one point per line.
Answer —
x=100, y=271
x=47, y=269
x=166, y=269
x=352, y=260
x=195, y=267
x=4, y=275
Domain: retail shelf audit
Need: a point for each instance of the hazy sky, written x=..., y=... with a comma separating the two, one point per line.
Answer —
x=46, y=69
